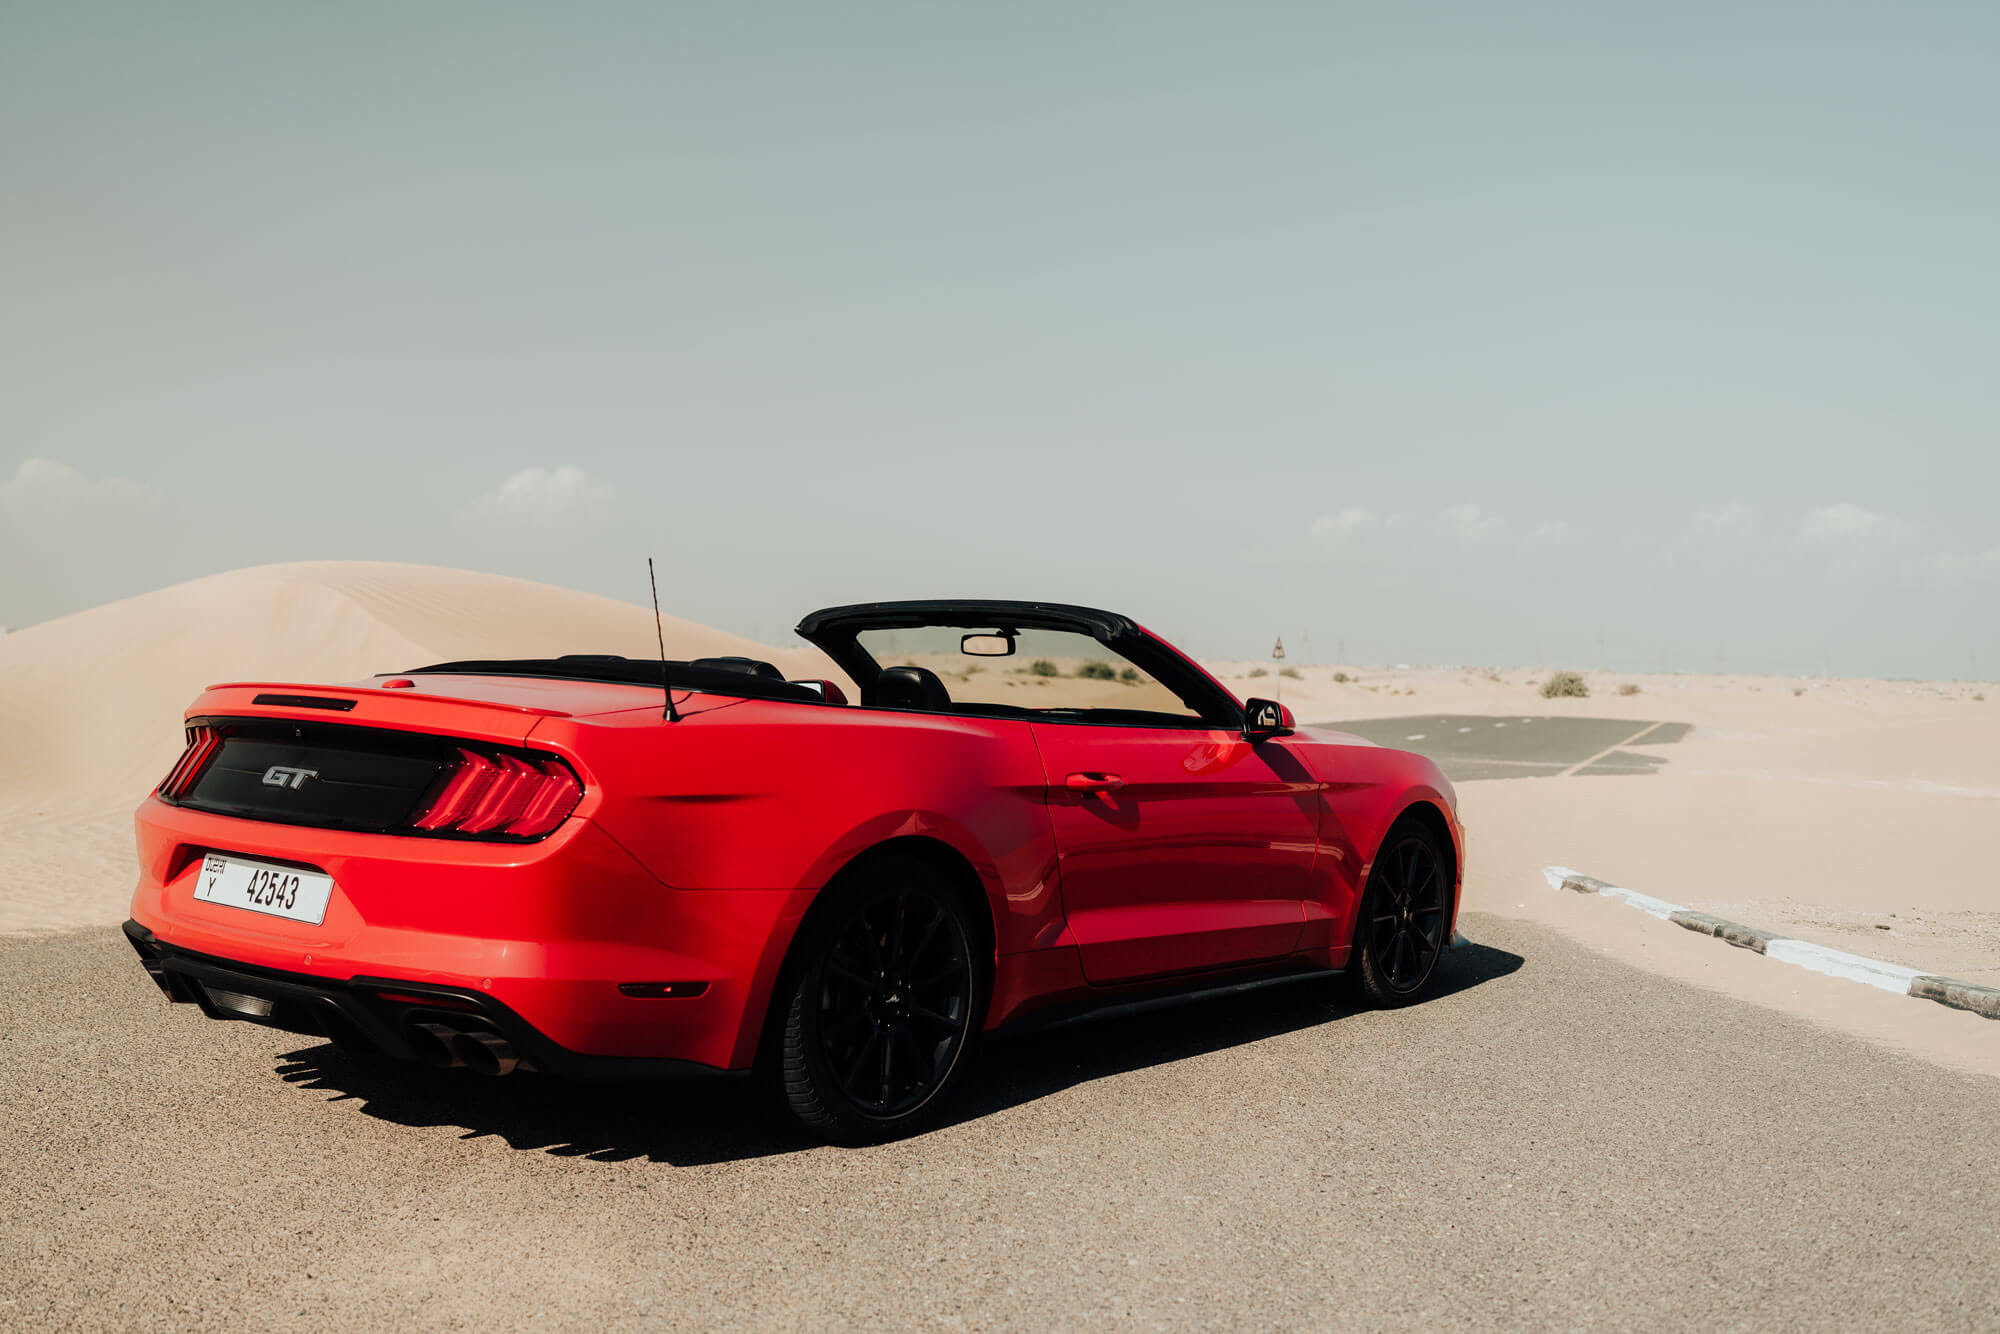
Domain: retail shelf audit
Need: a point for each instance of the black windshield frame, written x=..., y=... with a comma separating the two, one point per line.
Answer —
x=835, y=631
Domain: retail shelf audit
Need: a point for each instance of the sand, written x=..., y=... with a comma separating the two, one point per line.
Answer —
x=1828, y=810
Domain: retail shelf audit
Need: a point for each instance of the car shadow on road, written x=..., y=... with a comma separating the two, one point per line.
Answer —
x=697, y=1122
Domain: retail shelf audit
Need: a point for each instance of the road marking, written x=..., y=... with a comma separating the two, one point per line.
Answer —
x=1894, y=977
x=1608, y=749
x=1837, y=963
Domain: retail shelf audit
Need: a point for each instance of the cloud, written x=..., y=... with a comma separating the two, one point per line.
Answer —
x=1351, y=519
x=1723, y=518
x=1848, y=523
x=44, y=489
x=543, y=498
x=1470, y=525
x=1550, y=535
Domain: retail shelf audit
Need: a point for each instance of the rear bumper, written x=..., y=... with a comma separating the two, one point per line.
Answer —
x=357, y=1015
x=542, y=935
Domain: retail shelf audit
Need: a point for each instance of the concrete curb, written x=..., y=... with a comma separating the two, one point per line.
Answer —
x=1817, y=958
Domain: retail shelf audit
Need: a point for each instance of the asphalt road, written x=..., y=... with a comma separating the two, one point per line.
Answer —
x=1475, y=746
x=1556, y=1139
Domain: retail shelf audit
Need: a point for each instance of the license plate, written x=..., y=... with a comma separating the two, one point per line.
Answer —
x=281, y=891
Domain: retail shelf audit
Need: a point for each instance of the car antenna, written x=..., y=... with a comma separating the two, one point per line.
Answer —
x=672, y=714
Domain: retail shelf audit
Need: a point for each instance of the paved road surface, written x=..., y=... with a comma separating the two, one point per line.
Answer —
x=1474, y=746
x=1556, y=1140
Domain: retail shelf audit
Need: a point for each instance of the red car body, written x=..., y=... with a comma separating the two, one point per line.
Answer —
x=646, y=932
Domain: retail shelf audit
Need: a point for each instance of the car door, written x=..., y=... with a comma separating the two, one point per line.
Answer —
x=1179, y=848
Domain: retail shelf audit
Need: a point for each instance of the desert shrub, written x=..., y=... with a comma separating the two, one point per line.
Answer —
x=1097, y=671
x=1341, y=678
x=1629, y=688
x=1258, y=671
x=1979, y=695
x=1290, y=673
x=1130, y=676
x=1565, y=685
x=1043, y=667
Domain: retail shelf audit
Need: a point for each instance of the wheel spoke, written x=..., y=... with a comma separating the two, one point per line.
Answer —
x=840, y=970
x=861, y=1059
x=931, y=1016
x=953, y=967
x=888, y=1064
x=867, y=933
x=929, y=934
x=915, y=1057
x=845, y=1026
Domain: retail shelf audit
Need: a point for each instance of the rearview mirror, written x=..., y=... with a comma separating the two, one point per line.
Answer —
x=987, y=646
x=1264, y=719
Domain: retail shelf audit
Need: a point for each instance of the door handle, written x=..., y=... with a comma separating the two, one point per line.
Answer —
x=1095, y=782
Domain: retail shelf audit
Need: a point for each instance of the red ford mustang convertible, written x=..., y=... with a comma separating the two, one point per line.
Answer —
x=1032, y=811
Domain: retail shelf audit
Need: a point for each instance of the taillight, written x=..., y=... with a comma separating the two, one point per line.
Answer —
x=202, y=742
x=500, y=794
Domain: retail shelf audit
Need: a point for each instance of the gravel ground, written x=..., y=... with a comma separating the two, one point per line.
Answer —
x=1556, y=1139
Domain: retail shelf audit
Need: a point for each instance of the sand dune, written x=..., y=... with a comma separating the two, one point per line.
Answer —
x=91, y=704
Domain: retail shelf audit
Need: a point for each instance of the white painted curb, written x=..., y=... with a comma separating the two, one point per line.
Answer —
x=1804, y=954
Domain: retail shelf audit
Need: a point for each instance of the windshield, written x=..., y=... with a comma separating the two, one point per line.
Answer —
x=1055, y=673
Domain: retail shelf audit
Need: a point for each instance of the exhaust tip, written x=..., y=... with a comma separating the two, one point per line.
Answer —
x=434, y=1044
x=485, y=1053
x=240, y=1005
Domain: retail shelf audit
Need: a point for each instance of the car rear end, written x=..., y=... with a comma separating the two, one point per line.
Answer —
x=401, y=867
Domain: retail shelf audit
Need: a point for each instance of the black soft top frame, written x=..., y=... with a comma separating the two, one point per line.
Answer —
x=629, y=671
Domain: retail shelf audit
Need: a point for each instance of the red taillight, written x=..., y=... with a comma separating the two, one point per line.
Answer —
x=202, y=742
x=501, y=794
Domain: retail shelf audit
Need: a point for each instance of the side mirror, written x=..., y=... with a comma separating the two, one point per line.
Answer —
x=1264, y=719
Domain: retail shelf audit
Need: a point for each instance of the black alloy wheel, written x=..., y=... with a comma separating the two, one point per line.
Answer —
x=883, y=1010
x=1405, y=917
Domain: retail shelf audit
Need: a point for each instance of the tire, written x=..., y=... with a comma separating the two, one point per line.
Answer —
x=880, y=1010
x=1403, y=925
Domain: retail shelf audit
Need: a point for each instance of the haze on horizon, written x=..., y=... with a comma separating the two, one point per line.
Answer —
x=1446, y=333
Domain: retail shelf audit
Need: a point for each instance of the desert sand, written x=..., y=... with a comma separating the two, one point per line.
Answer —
x=1855, y=813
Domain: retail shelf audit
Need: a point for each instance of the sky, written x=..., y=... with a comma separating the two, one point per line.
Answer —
x=1577, y=335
